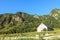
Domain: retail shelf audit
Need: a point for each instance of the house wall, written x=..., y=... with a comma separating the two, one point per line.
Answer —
x=41, y=27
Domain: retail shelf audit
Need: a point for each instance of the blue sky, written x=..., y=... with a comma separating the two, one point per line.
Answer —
x=40, y=7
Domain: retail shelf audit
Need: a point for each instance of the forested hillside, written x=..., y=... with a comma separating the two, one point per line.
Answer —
x=21, y=22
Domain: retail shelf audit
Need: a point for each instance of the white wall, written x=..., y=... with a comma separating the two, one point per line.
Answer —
x=41, y=27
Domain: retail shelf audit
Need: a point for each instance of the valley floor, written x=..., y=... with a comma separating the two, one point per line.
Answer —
x=47, y=35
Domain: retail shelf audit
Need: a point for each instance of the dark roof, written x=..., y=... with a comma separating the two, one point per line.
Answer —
x=49, y=27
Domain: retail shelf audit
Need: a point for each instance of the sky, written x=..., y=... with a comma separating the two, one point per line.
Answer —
x=39, y=7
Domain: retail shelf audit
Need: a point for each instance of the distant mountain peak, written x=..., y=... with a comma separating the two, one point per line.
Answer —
x=55, y=13
x=36, y=16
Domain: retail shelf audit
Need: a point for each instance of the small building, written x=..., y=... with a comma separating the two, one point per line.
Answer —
x=42, y=26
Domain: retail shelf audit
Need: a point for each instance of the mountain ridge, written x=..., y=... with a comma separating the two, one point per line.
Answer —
x=22, y=22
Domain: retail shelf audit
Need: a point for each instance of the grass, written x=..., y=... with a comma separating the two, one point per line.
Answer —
x=32, y=34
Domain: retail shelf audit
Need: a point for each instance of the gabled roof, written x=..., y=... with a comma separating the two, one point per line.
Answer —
x=43, y=26
x=48, y=26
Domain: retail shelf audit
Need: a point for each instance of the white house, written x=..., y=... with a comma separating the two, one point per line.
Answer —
x=42, y=26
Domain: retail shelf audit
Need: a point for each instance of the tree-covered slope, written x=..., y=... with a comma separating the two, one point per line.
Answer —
x=22, y=22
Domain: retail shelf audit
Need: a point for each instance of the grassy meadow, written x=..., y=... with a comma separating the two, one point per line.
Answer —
x=30, y=35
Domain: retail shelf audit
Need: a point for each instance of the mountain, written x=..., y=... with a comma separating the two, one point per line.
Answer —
x=55, y=13
x=21, y=22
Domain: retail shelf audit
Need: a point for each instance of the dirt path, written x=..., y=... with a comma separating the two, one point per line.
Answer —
x=49, y=36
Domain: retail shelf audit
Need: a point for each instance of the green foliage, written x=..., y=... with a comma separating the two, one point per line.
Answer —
x=22, y=22
x=44, y=29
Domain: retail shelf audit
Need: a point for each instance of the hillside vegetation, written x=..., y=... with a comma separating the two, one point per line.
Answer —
x=21, y=22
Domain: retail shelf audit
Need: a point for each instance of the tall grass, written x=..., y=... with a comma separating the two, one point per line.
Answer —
x=31, y=34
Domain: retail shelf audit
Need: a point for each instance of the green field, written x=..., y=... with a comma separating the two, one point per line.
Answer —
x=30, y=36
